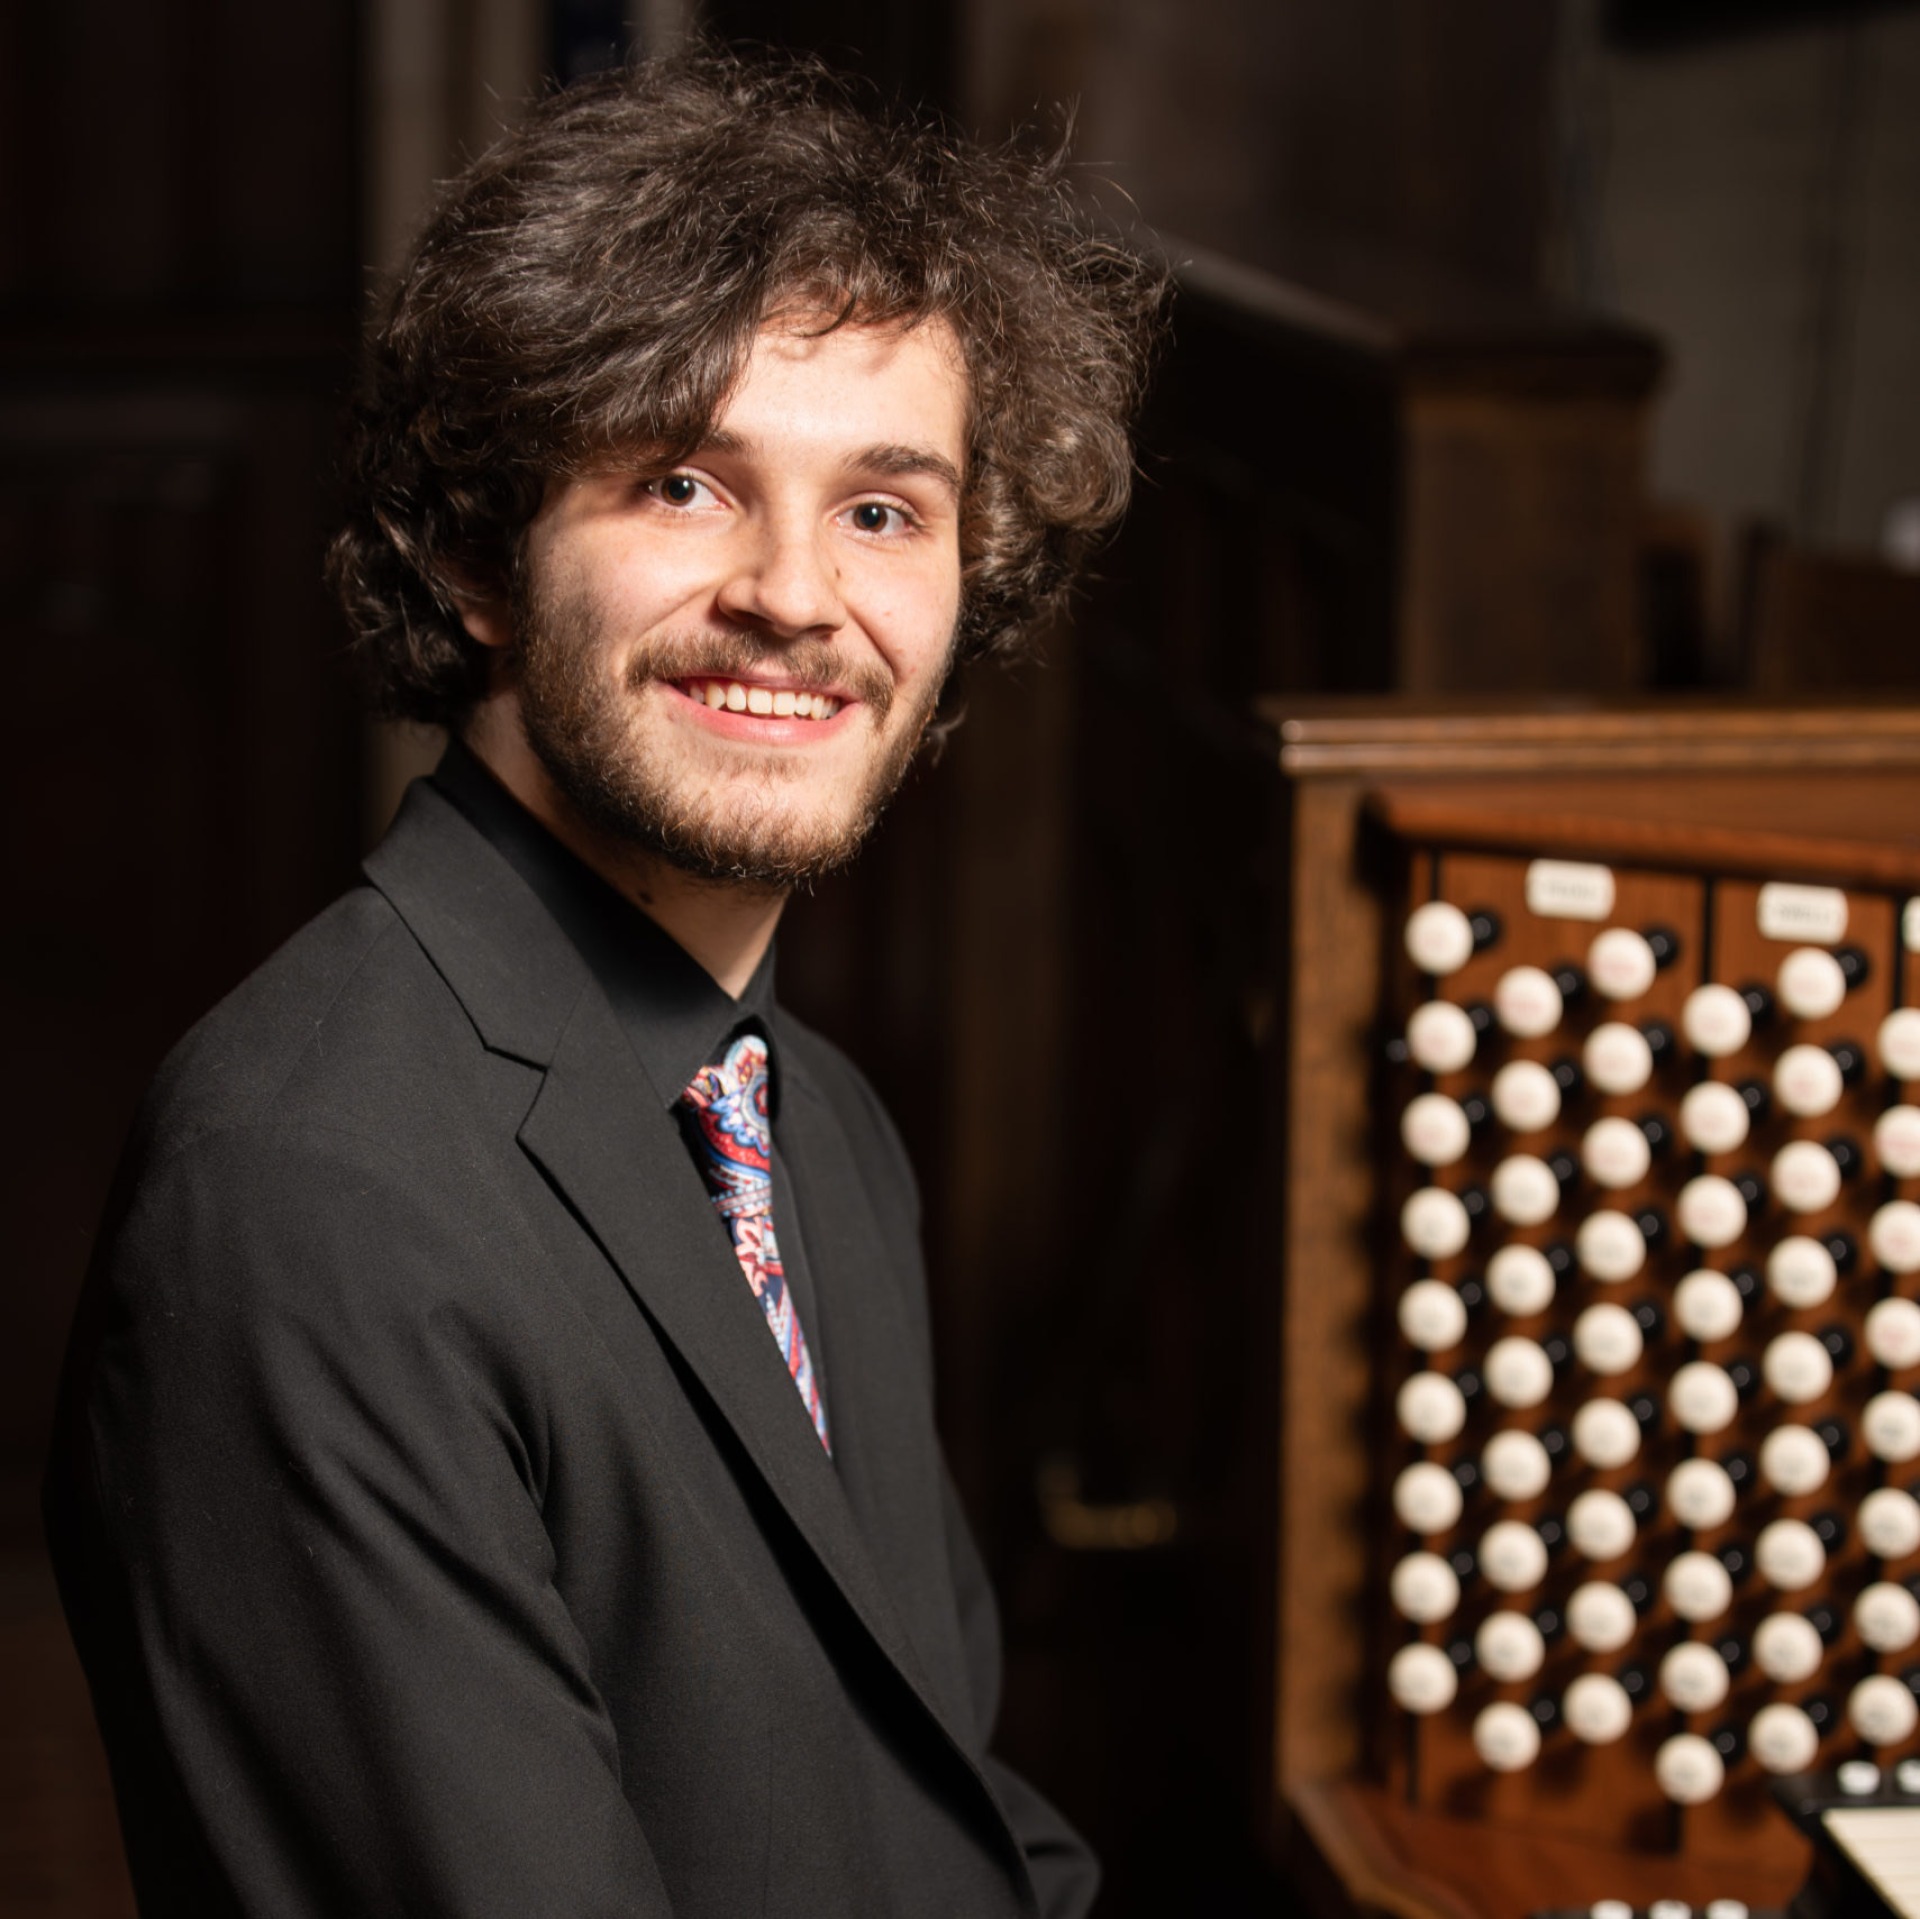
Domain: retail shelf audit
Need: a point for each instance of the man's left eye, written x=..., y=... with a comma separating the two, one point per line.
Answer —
x=677, y=489
x=876, y=516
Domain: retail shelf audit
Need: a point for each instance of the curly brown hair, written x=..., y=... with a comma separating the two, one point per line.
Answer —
x=593, y=285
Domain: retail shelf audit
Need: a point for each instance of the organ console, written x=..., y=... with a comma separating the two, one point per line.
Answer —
x=1600, y=1415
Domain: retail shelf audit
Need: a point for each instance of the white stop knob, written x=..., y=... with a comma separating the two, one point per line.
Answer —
x=1794, y=1461
x=1710, y=1211
x=1688, y=1770
x=1609, y=1246
x=1524, y=1190
x=1615, y=1153
x=1703, y=1397
x=1716, y=1021
x=1426, y=1498
x=1700, y=1494
x=1605, y=1433
x=1888, y=1617
x=1432, y=1316
x=1896, y=1141
x=1807, y=1081
x=1597, y=1709
x=1512, y=1556
x=1893, y=1234
x=1783, y=1739
x=1789, y=1555
x=1525, y=1096
x=1707, y=1305
x=1520, y=1281
x=1714, y=1118
x=1518, y=1372
x=1797, y=1367
x=1441, y=1037
x=1801, y=1273
x=1506, y=1737
x=1509, y=1647
x=1621, y=963
x=1601, y=1524
x=1527, y=1003
x=1515, y=1466
x=1882, y=1711
x=1810, y=983
x=1694, y=1677
x=1890, y=1424
x=1600, y=1617
x=1890, y=1523
x=1435, y=1223
x=1857, y=1777
x=1892, y=1333
x=1421, y=1679
x=1617, y=1058
x=1787, y=1648
x=1439, y=938
x=1898, y=1043
x=1607, y=1339
x=1805, y=1176
x=1424, y=1588
x=1431, y=1409
x=1698, y=1587
x=1434, y=1129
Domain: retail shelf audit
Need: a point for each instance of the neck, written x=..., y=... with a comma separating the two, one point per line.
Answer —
x=727, y=929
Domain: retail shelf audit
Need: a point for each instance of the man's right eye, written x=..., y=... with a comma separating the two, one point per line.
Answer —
x=678, y=489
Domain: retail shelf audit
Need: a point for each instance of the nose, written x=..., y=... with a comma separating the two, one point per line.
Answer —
x=782, y=580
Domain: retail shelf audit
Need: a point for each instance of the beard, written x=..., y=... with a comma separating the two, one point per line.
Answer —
x=746, y=829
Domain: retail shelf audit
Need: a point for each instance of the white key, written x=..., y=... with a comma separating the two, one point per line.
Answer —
x=1525, y=1096
x=1896, y=1141
x=1422, y=1679
x=1710, y=1211
x=1610, y=1247
x=1431, y=1409
x=1805, y=1176
x=1435, y=1223
x=1789, y=1555
x=1515, y=1466
x=1523, y=1190
x=1506, y=1736
x=1797, y=1367
x=1887, y=1617
x=1615, y=1153
x=1810, y=983
x=1694, y=1677
x=1700, y=1494
x=1424, y=1588
x=1527, y=1003
x=1787, y=1648
x=1607, y=1339
x=1600, y=1617
x=1892, y=1333
x=1890, y=1425
x=1801, y=1273
x=1698, y=1587
x=1434, y=1130
x=1601, y=1524
x=1617, y=1058
x=1605, y=1433
x=1794, y=1461
x=1807, y=1081
x=1688, y=1770
x=1621, y=963
x=1432, y=1315
x=1518, y=1372
x=1426, y=1498
x=1703, y=1397
x=1889, y=1522
x=1882, y=1711
x=1597, y=1710
x=1509, y=1647
x=1512, y=1556
x=1520, y=1281
x=1708, y=1305
x=1783, y=1739
x=1439, y=938
x=1441, y=1037
x=1714, y=1118
x=1716, y=1021
x=1898, y=1043
x=1893, y=1235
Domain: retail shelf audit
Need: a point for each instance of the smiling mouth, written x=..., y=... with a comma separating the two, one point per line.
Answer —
x=740, y=696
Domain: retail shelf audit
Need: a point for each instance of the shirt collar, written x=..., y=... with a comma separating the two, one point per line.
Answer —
x=676, y=1016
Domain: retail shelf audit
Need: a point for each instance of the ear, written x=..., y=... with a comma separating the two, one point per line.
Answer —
x=485, y=619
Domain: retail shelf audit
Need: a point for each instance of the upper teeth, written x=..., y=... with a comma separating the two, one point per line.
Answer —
x=737, y=697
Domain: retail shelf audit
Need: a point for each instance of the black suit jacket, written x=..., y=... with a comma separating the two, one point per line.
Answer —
x=438, y=1524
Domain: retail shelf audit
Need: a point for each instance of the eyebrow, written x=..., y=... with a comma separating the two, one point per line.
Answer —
x=892, y=460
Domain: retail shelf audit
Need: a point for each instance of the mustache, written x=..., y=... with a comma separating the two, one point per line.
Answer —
x=808, y=666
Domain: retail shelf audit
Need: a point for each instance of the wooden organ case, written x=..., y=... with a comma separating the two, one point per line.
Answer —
x=1600, y=1331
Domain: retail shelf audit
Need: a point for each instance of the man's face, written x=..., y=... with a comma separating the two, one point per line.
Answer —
x=730, y=661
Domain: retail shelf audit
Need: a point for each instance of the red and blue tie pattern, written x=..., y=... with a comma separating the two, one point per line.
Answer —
x=734, y=1138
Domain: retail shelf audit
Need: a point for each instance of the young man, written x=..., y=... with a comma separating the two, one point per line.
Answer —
x=497, y=1473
